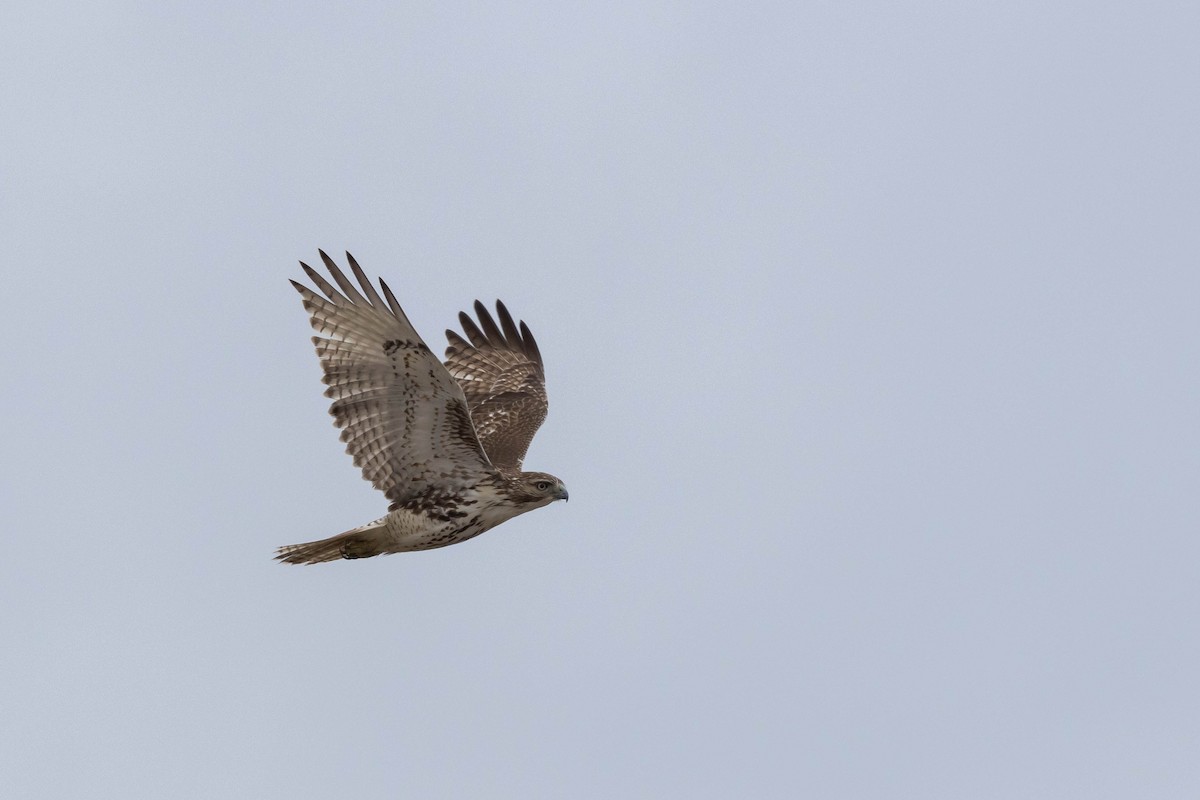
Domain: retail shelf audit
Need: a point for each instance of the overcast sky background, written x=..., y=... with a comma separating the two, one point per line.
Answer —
x=872, y=344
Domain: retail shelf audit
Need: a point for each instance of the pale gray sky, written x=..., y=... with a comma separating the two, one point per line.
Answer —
x=872, y=341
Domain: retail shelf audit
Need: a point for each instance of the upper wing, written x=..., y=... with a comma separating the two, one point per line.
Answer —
x=403, y=418
x=500, y=371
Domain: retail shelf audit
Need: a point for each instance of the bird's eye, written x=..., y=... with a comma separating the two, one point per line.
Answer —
x=542, y=486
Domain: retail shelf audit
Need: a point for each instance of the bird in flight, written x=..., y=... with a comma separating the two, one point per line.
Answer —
x=443, y=442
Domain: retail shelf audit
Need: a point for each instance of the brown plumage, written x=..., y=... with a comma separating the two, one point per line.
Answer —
x=501, y=374
x=444, y=443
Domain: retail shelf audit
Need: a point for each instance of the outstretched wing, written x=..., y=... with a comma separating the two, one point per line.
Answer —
x=500, y=371
x=404, y=420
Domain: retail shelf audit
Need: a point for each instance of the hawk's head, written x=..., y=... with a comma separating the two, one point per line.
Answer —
x=536, y=489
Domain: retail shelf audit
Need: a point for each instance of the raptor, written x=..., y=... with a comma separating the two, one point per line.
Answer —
x=444, y=442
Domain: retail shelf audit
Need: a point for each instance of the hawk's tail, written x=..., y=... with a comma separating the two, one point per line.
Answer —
x=369, y=540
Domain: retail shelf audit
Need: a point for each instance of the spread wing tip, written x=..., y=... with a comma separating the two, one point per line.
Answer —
x=507, y=335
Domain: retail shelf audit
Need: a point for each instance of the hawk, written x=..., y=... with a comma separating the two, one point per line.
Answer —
x=443, y=442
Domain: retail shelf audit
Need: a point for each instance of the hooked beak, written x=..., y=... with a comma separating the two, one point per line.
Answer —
x=562, y=493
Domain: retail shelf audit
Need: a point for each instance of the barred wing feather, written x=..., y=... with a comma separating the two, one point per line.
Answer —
x=404, y=419
x=502, y=376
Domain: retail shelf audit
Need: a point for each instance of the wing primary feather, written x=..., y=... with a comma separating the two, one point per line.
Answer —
x=311, y=299
x=489, y=324
x=322, y=284
x=395, y=306
x=342, y=281
x=506, y=324
x=472, y=330
x=531, y=348
x=367, y=288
